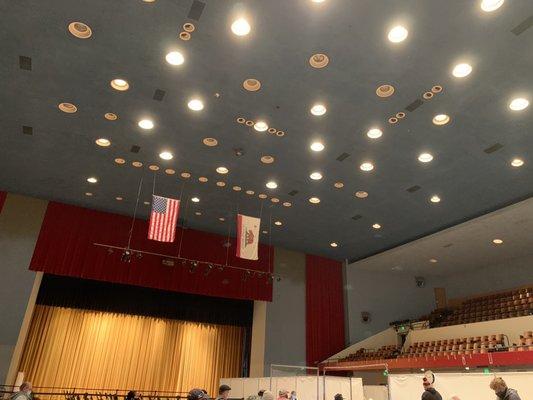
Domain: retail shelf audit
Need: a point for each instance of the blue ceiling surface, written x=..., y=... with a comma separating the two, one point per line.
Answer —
x=130, y=40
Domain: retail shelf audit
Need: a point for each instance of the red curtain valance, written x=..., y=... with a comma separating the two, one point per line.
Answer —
x=65, y=247
x=3, y=196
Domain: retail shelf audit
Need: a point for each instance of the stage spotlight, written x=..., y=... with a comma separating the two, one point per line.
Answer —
x=208, y=269
x=278, y=278
x=221, y=268
x=139, y=255
x=246, y=275
x=192, y=268
x=126, y=256
x=110, y=251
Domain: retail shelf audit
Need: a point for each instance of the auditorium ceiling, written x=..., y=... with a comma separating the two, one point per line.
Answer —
x=420, y=109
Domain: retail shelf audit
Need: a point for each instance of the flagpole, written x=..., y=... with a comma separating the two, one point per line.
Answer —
x=135, y=212
x=183, y=227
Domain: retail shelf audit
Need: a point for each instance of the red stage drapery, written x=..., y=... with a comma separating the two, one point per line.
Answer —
x=66, y=247
x=3, y=196
x=324, y=308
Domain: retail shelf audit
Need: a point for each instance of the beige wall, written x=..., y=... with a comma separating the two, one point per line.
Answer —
x=20, y=223
x=257, y=353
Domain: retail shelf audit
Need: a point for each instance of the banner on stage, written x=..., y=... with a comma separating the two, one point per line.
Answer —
x=247, y=237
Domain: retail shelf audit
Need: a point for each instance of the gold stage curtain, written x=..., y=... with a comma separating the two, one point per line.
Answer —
x=91, y=349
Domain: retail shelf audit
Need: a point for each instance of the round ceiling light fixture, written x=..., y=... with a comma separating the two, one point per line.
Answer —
x=318, y=110
x=195, y=105
x=137, y=164
x=462, y=70
x=240, y=27
x=361, y=194
x=425, y=157
x=195, y=200
x=274, y=200
x=80, y=30
x=92, y=179
x=333, y=244
x=374, y=133
x=271, y=185
x=338, y=185
x=222, y=170
x=519, y=104
x=146, y=124
x=316, y=176
x=366, y=166
x=517, y=162
x=119, y=198
x=175, y=58
x=251, y=84
x=385, y=90
x=317, y=146
x=68, y=108
x=435, y=199
x=433, y=260
x=262, y=196
x=497, y=241
x=120, y=161
x=441, y=119
x=202, y=179
x=170, y=171
x=166, y=155
x=153, y=167
x=376, y=226
x=211, y=142
x=267, y=159
x=120, y=84
x=314, y=200
x=398, y=34
x=278, y=223
x=88, y=194
x=221, y=184
x=491, y=5
x=237, y=188
x=250, y=192
x=260, y=126
x=103, y=142
x=185, y=175
x=110, y=116
x=287, y=204
x=319, y=60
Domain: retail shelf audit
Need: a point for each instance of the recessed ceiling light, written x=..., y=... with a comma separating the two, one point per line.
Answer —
x=250, y=192
x=491, y=5
x=317, y=146
x=222, y=219
x=68, y=108
x=376, y=226
x=197, y=213
x=195, y=200
x=88, y=194
x=92, y=179
x=185, y=175
x=211, y=142
x=318, y=109
x=385, y=91
x=103, y=142
x=80, y=30
x=118, y=198
x=110, y=116
x=433, y=260
x=260, y=126
x=137, y=164
x=240, y=27
x=287, y=204
x=271, y=185
x=519, y=104
x=441, y=119
x=278, y=223
x=319, y=60
x=221, y=184
x=366, y=166
x=153, y=167
x=435, y=199
x=175, y=58
x=374, y=133
x=318, y=1
x=314, y=200
x=338, y=185
x=461, y=70
x=497, y=241
x=252, y=85
x=166, y=155
x=170, y=171
x=315, y=176
x=267, y=159
x=274, y=200
x=146, y=124
x=361, y=194
x=203, y=179
x=120, y=161
x=333, y=244
x=425, y=157
x=195, y=104
x=262, y=196
x=517, y=162
x=398, y=34
x=146, y=203
x=120, y=84
x=237, y=188
x=222, y=170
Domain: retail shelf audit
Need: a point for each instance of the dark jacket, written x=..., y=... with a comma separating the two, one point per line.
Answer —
x=432, y=394
x=509, y=394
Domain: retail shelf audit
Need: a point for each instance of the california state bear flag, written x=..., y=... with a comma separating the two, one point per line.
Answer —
x=247, y=236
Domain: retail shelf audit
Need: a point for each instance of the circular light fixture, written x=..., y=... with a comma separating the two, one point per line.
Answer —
x=146, y=124
x=240, y=27
x=398, y=34
x=103, y=142
x=319, y=60
x=333, y=244
x=376, y=226
x=318, y=1
x=287, y=204
x=241, y=120
x=118, y=198
x=110, y=116
x=170, y=171
x=189, y=27
x=374, y=133
x=211, y=142
x=361, y=194
x=441, y=119
x=338, y=185
x=315, y=176
x=185, y=175
x=185, y=36
x=120, y=161
x=435, y=199
x=153, y=167
x=385, y=90
x=68, y=108
x=175, y=58
x=137, y=164
x=517, y=162
x=491, y=5
x=260, y=126
x=195, y=105
x=80, y=30
x=251, y=84
x=267, y=159
x=88, y=194
x=195, y=200
x=318, y=109
x=166, y=155
x=393, y=120
x=262, y=196
x=436, y=89
x=249, y=123
x=237, y=188
x=202, y=179
x=433, y=260
x=222, y=170
x=519, y=104
x=272, y=130
x=221, y=184
x=274, y=200
x=366, y=166
x=497, y=241
x=197, y=213
x=120, y=84
x=314, y=200
x=146, y=203
x=317, y=146
x=271, y=185
x=278, y=223
x=425, y=157
x=280, y=133
x=92, y=179
x=250, y=192
x=461, y=70
x=222, y=219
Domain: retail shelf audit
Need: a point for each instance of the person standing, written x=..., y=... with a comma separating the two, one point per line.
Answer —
x=24, y=392
x=223, y=392
x=197, y=394
x=429, y=391
x=502, y=391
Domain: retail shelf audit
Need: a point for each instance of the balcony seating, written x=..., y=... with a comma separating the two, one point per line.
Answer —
x=384, y=352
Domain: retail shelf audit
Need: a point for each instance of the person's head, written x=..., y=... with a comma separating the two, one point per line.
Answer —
x=427, y=384
x=293, y=394
x=26, y=387
x=260, y=393
x=197, y=394
x=268, y=395
x=284, y=394
x=338, y=396
x=223, y=391
x=498, y=385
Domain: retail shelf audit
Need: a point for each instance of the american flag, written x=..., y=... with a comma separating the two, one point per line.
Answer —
x=163, y=219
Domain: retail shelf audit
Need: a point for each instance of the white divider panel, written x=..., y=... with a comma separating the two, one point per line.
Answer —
x=375, y=392
x=466, y=386
x=335, y=384
x=236, y=385
x=283, y=383
x=357, y=389
x=306, y=387
x=250, y=387
x=264, y=384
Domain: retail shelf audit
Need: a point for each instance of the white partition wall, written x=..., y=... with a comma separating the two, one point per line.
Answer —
x=376, y=392
x=465, y=386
